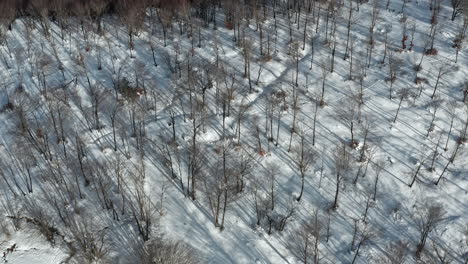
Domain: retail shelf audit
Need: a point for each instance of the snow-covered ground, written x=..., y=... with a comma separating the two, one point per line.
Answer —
x=69, y=66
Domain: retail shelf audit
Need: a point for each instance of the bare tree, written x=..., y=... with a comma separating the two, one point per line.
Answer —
x=296, y=106
x=342, y=159
x=132, y=14
x=456, y=8
x=242, y=169
x=460, y=38
x=403, y=94
x=443, y=70
x=8, y=14
x=417, y=170
x=373, y=22
x=240, y=115
x=295, y=54
x=435, y=154
x=365, y=237
x=347, y=115
x=350, y=22
x=163, y=251
x=464, y=245
x=452, y=109
x=304, y=242
x=393, y=65
x=404, y=28
x=432, y=37
x=366, y=130
x=92, y=244
x=220, y=186
x=333, y=45
x=271, y=173
x=143, y=210
x=279, y=102
x=378, y=168
x=214, y=191
x=434, y=105
x=324, y=66
x=317, y=103
x=261, y=201
x=412, y=33
x=247, y=53
x=304, y=157
x=429, y=217
x=396, y=253
x=351, y=57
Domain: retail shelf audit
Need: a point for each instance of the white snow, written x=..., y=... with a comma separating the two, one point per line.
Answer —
x=400, y=145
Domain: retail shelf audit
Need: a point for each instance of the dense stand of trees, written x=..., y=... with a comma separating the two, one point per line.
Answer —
x=63, y=112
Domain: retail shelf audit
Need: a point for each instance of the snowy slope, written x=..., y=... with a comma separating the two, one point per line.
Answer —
x=399, y=147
